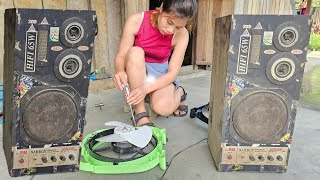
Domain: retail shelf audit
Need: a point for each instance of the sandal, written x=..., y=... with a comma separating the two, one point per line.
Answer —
x=138, y=117
x=183, y=108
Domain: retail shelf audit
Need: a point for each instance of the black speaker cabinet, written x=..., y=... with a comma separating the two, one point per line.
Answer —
x=256, y=80
x=47, y=65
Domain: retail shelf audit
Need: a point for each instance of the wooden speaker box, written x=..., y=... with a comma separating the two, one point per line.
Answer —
x=257, y=71
x=47, y=64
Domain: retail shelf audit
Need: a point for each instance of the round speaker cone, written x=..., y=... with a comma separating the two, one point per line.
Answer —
x=74, y=32
x=282, y=68
x=50, y=116
x=260, y=116
x=288, y=37
x=70, y=66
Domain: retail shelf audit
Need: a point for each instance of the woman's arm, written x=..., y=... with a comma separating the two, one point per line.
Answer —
x=130, y=29
x=180, y=43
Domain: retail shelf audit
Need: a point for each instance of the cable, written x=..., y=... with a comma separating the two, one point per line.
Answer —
x=180, y=153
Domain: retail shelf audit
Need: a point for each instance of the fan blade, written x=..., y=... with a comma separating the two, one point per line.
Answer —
x=111, y=138
x=116, y=123
x=140, y=137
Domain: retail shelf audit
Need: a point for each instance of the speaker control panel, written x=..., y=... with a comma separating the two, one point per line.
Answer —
x=248, y=155
x=43, y=157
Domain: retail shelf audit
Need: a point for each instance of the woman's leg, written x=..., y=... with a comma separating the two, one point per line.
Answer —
x=165, y=101
x=136, y=71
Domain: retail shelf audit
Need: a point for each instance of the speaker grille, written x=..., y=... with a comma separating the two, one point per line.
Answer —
x=260, y=116
x=49, y=116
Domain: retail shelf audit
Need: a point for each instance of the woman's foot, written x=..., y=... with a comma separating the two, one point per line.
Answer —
x=183, y=108
x=142, y=119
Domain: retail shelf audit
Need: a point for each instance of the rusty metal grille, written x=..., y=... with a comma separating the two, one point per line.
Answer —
x=49, y=116
x=260, y=117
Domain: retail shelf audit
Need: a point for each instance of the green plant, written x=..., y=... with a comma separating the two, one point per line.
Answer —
x=314, y=43
x=311, y=87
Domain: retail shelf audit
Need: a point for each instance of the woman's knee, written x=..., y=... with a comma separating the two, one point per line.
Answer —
x=162, y=107
x=135, y=53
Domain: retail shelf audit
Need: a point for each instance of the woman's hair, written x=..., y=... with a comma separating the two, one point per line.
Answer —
x=181, y=8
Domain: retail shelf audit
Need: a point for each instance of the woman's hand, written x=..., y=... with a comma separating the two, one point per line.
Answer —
x=120, y=78
x=137, y=95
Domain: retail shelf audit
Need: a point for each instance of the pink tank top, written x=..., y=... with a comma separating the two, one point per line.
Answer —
x=157, y=47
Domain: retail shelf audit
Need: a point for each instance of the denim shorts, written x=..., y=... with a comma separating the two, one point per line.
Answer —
x=155, y=70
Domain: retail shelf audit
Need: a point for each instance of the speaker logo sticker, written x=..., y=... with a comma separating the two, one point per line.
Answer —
x=244, y=52
x=30, y=49
x=54, y=34
x=267, y=38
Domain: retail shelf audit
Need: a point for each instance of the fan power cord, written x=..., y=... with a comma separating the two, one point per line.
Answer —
x=180, y=153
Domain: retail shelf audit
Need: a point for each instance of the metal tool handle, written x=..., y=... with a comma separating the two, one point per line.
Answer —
x=126, y=91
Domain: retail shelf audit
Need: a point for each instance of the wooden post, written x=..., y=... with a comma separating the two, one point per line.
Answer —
x=262, y=7
x=130, y=7
x=36, y=4
x=114, y=29
x=54, y=4
x=77, y=4
x=208, y=11
x=101, y=65
x=309, y=4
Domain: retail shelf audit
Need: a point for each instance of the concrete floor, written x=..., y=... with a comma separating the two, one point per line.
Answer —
x=195, y=162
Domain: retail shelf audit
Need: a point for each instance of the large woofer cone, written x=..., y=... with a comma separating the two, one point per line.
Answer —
x=260, y=116
x=50, y=116
x=286, y=36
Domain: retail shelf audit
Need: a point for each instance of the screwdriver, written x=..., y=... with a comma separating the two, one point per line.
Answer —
x=126, y=91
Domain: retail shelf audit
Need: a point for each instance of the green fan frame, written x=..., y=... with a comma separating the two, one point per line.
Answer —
x=147, y=162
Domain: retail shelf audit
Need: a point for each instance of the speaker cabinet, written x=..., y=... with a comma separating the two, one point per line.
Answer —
x=47, y=64
x=256, y=80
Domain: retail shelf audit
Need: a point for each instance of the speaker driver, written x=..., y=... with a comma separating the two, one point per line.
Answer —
x=260, y=116
x=286, y=36
x=49, y=116
x=73, y=31
x=282, y=68
x=69, y=65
